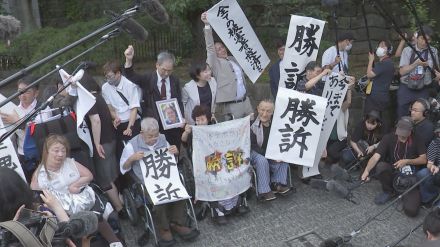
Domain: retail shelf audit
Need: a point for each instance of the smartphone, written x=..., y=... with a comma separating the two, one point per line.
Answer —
x=36, y=196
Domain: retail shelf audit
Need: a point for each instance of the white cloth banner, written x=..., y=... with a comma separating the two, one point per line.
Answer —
x=8, y=108
x=83, y=104
x=302, y=46
x=8, y=156
x=334, y=91
x=221, y=155
x=296, y=127
x=231, y=25
x=161, y=177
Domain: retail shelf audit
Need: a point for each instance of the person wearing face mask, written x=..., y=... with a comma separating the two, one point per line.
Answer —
x=330, y=58
x=123, y=99
x=381, y=75
x=415, y=76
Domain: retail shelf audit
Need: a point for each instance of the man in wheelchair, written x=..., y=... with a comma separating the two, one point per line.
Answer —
x=167, y=217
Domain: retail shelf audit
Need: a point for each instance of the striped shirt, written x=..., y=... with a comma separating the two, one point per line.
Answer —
x=433, y=153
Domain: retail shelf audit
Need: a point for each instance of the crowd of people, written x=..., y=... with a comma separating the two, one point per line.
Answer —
x=125, y=123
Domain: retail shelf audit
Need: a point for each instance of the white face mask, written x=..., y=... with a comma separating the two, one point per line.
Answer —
x=380, y=52
x=348, y=47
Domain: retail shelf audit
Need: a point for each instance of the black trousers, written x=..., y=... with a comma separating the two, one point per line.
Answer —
x=386, y=173
x=121, y=138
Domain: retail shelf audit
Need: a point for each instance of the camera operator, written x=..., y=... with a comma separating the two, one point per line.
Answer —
x=16, y=197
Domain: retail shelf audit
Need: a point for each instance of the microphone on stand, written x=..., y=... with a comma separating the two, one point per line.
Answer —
x=131, y=26
x=154, y=9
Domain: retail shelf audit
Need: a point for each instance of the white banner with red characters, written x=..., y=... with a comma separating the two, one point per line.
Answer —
x=221, y=155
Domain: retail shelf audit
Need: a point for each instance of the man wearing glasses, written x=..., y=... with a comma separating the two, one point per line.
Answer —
x=156, y=86
x=123, y=98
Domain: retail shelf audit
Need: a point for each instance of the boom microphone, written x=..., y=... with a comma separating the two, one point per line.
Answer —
x=155, y=9
x=132, y=27
x=80, y=225
x=319, y=184
x=88, y=64
x=339, y=173
x=330, y=3
x=338, y=189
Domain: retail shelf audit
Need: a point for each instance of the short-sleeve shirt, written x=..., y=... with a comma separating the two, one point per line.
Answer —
x=384, y=72
x=433, y=153
x=130, y=92
x=329, y=57
x=424, y=131
x=405, y=58
x=107, y=129
x=392, y=150
x=361, y=133
x=317, y=89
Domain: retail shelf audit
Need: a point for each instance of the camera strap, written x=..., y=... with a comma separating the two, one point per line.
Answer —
x=22, y=233
x=27, y=238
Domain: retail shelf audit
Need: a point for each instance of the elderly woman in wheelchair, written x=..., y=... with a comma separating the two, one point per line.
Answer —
x=170, y=217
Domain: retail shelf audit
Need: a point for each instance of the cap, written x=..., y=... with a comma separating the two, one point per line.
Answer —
x=404, y=127
x=374, y=115
x=346, y=35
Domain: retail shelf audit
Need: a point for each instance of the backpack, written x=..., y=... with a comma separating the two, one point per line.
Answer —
x=420, y=76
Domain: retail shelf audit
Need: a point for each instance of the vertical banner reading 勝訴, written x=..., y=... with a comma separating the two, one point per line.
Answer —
x=221, y=156
x=161, y=177
x=8, y=156
x=302, y=45
x=296, y=127
x=231, y=25
x=334, y=91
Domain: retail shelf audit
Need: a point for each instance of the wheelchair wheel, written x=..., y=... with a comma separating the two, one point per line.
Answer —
x=186, y=170
x=130, y=207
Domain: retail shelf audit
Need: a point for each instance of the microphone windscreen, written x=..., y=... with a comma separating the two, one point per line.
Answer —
x=330, y=2
x=319, y=184
x=337, y=189
x=10, y=27
x=89, y=64
x=339, y=173
x=135, y=30
x=156, y=10
x=86, y=222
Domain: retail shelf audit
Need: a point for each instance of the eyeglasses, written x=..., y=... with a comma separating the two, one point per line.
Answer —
x=110, y=76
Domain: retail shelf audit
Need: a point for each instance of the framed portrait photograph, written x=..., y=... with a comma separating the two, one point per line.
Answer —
x=170, y=114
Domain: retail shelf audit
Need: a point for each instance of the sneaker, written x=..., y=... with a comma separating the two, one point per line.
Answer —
x=221, y=220
x=269, y=196
x=242, y=209
x=382, y=198
x=282, y=189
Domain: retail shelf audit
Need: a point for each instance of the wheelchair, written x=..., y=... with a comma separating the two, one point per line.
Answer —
x=255, y=179
x=140, y=210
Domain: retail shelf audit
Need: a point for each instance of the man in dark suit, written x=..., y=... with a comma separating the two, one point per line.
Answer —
x=156, y=86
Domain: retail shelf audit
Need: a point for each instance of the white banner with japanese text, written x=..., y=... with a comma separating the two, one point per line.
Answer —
x=161, y=177
x=231, y=25
x=302, y=44
x=221, y=155
x=8, y=156
x=296, y=127
x=336, y=86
